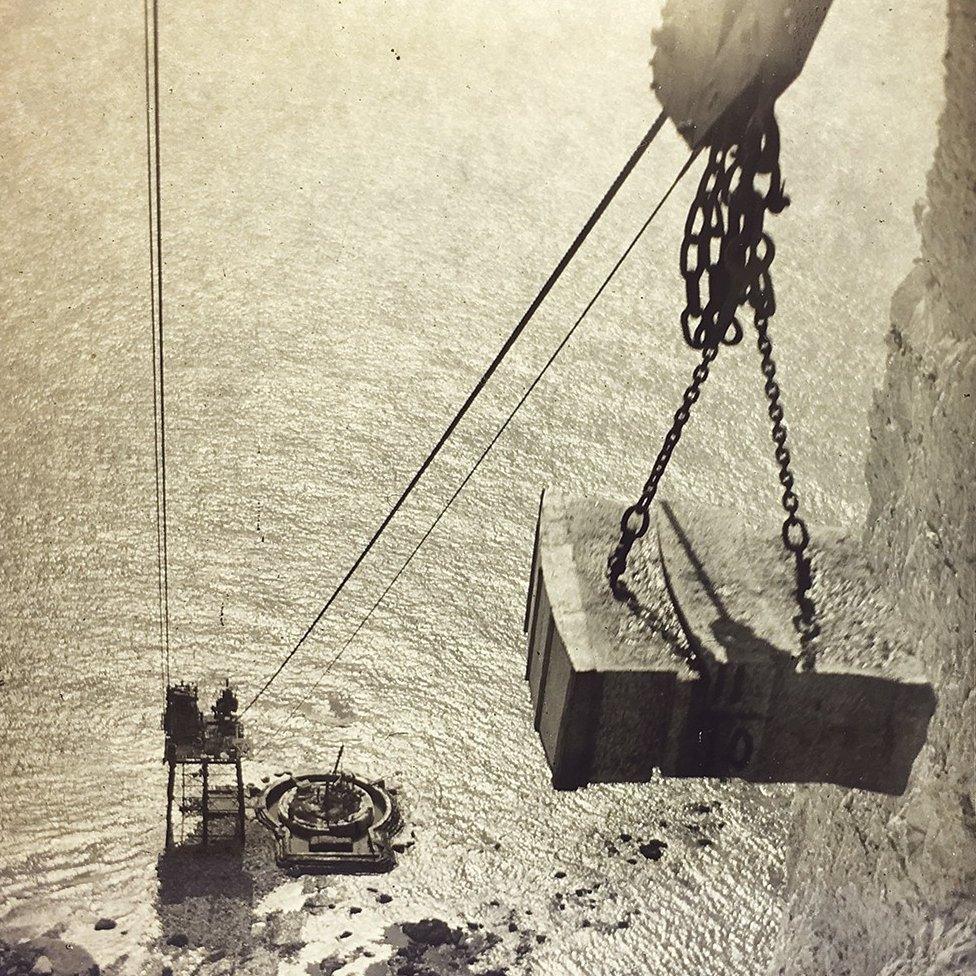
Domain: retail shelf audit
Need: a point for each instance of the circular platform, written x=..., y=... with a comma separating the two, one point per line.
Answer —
x=331, y=821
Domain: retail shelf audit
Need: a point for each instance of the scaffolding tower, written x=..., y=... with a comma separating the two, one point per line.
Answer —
x=203, y=741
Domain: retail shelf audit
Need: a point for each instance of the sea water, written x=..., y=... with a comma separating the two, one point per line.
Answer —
x=359, y=200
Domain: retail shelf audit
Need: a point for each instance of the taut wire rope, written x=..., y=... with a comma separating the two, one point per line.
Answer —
x=153, y=167
x=494, y=440
x=472, y=396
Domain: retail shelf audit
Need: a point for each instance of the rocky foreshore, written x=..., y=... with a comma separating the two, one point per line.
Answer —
x=219, y=914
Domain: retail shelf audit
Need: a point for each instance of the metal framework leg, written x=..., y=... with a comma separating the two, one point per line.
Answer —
x=171, y=781
x=240, y=802
x=205, y=804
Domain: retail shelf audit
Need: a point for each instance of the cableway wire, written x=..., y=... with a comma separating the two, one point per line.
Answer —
x=472, y=396
x=153, y=168
x=494, y=440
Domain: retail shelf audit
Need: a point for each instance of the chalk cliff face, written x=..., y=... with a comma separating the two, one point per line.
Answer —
x=887, y=885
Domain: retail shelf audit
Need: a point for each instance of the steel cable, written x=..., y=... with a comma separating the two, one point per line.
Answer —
x=472, y=396
x=494, y=440
x=153, y=168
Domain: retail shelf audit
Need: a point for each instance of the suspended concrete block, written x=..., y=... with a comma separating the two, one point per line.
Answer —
x=615, y=696
x=729, y=59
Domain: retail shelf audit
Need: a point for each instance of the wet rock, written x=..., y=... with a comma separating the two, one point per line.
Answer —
x=626, y=838
x=559, y=875
x=434, y=947
x=512, y=927
x=431, y=931
x=384, y=899
x=345, y=934
x=179, y=940
x=355, y=910
x=329, y=965
x=284, y=932
x=104, y=924
x=540, y=938
x=653, y=850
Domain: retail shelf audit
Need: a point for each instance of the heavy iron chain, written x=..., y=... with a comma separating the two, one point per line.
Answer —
x=725, y=262
x=796, y=536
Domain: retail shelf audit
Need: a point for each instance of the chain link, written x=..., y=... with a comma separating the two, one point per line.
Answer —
x=636, y=519
x=796, y=536
x=726, y=257
x=725, y=251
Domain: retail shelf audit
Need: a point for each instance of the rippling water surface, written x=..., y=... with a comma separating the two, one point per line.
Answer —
x=359, y=200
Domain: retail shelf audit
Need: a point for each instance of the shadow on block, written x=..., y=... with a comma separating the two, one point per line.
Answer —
x=701, y=678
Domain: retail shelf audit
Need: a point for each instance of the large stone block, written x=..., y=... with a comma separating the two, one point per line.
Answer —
x=699, y=677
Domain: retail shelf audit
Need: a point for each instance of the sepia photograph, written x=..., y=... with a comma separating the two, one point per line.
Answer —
x=487, y=488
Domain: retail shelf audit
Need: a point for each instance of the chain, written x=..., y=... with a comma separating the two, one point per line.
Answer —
x=726, y=257
x=725, y=251
x=796, y=536
x=637, y=518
